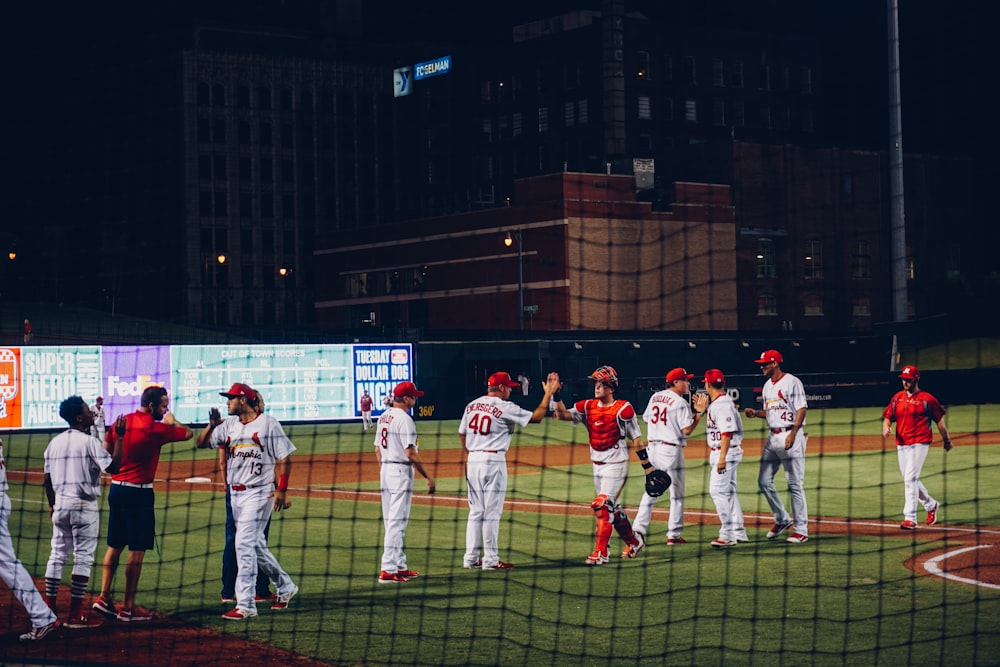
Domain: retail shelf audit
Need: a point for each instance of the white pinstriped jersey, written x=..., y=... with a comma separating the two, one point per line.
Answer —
x=252, y=449
x=723, y=417
x=666, y=417
x=782, y=399
x=3, y=472
x=488, y=423
x=394, y=433
x=74, y=461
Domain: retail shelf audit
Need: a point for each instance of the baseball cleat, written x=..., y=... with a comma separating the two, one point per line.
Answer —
x=238, y=614
x=134, y=616
x=932, y=514
x=105, y=607
x=778, y=529
x=281, y=601
x=908, y=525
x=500, y=566
x=797, y=538
x=227, y=599
x=473, y=566
x=270, y=597
x=723, y=544
x=632, y=550
x=409, y=574
x=671, y=541
x=391, y=578
x=37, y=634
x=597, y=558
x=81, y=622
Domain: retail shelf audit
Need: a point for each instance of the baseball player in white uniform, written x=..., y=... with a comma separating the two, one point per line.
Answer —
x=257, y=468
x=397, y=451
x=785, y=411
x=98, y=429
x=486, y=432
x=74, y=460
x=43, y=619
x=669, y=422
x=724, y=433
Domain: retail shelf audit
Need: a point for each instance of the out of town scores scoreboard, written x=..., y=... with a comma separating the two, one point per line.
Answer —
x=298, y=382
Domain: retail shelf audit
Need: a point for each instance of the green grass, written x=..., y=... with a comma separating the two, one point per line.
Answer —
x=836, y=599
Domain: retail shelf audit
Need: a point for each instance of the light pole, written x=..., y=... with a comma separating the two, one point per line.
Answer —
x=508, y=241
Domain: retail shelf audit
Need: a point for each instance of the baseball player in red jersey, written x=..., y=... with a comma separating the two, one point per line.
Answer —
x=43, y=619
x=612, y=426
x=785, y=411
x=74, y=460
x=397, y=451
x=366, y=411
x=131, y=522
x=485, y=433
x=258, y=464
x=724, y=435
x=669, y=422
x=913, y=410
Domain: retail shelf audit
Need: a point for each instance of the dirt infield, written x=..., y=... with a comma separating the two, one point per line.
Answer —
x=972, y=557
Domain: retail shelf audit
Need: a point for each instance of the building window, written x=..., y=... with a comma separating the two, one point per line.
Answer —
x=516, y=124
x=668, y=109
x=911, y=269
x=765, y=78
x=218, y=95
x=861, y=261
x=543, y=119
x=582, y=112
x=739, y=113
x=265, y=134
x=861, y=306
x=690, y=70
x=736, y=76
x=246, y=275
x=718, y=111
x=219, y=131
x=847, y=183
x=767, y=305
x=813, y=267
x=202, y=94
x=246, y=205
x=953, y=263
x=642, y=65
x=691, y=110
x=808, y=124
x=243, y=132
x=668, y=68
x=645, y=112
x=485, y=88
x=264, y=98
x=807, y=80
x=243, y=97
x=569, y=114
x=812, y=305
x=718, y=69
x=486, y=131
x=765, y=116
x=765, y=259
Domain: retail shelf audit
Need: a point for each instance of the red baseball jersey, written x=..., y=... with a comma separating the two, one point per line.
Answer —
x=913, y=416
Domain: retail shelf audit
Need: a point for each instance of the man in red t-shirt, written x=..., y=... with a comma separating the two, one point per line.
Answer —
x=612, y=426
x=366, y=410
x=131, y=521
x=913, y=410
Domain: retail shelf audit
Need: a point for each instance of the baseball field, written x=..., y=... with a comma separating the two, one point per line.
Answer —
x=860, y=591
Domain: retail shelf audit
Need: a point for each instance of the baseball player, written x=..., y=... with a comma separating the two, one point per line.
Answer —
x=74, y=460
x=98, y=429
x=612, y=426
x=913, y=410
x=43, y=619
x=724, y=434
x=131, y=522
x=258, y=464
x=366, y=411
x=485, y=432
x=784, y=409
x=669, y=422
x=397, y=451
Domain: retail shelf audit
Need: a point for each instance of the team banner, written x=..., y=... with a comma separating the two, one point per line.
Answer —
x=298, y=382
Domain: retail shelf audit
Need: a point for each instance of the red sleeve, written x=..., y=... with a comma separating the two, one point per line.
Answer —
x=165, y=434
x=581, y=406
x=628, y=412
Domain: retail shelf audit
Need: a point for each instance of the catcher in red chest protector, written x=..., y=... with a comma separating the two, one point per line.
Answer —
x=612, y=426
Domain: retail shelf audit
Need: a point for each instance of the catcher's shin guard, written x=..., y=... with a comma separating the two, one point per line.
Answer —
x=602, y=507
x=624, y=527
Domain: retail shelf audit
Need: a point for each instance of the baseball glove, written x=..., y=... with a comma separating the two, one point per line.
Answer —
x=657, y=483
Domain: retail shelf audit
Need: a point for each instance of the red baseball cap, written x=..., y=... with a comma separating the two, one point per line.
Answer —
x=767, y=356
x=714, y=376
x=406, y=389
x=240, y=389
x=909, y=373
x=679, y=374
x=501, y=379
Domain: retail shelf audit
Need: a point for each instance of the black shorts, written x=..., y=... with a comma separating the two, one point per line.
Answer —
x=131, y=522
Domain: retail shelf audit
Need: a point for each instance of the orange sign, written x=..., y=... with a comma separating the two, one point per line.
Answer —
x=10, y=383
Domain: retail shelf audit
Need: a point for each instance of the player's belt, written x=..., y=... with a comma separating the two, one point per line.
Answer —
x=400, y=463
x=244, y=487
x=486, y=451
x=781, y=430
x=662, y=442
x=131, y=485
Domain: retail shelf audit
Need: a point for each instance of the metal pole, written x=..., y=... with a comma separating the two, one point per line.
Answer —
x=896, y=214
x=520, y=282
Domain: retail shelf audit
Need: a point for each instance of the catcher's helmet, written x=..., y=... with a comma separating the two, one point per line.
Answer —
x=607, y=376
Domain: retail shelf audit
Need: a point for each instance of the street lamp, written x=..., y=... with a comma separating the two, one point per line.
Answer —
x=508, y=241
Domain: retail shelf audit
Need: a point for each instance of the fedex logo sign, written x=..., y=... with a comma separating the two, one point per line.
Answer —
x=116, y=386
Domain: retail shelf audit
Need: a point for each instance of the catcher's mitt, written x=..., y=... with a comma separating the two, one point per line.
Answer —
x=657, y=483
